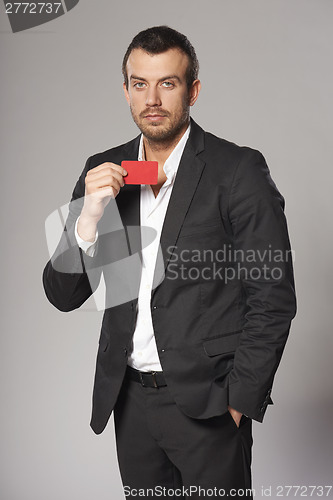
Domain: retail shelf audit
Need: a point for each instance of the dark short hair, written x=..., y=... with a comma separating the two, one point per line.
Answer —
x=160, y=39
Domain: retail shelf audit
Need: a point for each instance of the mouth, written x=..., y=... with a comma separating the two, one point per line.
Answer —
x=154, y=117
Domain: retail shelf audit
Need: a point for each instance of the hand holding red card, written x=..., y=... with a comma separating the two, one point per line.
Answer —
x=140, y=172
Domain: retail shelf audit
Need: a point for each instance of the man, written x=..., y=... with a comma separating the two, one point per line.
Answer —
x=187, y=361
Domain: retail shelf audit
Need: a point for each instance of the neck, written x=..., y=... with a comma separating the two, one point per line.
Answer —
x=161, y=150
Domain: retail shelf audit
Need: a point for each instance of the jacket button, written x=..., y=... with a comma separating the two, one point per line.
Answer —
x=154, y=307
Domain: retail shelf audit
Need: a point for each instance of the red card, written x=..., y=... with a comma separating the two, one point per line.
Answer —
x=140, y=172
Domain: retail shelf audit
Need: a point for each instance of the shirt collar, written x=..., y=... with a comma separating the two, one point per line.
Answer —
x=172, y=163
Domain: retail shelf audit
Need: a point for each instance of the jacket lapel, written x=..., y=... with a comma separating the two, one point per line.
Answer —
x=128, y=202
x=187, y=178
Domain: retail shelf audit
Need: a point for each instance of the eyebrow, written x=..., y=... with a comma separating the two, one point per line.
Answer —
x=170, y=77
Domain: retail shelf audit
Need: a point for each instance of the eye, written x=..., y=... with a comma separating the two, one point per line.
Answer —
x=139, y=85
x=168, y=84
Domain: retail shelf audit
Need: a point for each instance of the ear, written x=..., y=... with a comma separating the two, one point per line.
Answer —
x=194, y=92
x=126, y=93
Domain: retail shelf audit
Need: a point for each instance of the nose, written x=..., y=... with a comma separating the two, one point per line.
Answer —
x=153, y=98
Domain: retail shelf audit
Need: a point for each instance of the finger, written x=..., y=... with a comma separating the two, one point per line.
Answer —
x=103, y=173
x=100, y=182
x=117, y=175
x=114, y=185
x=104, y=192
x=108, y=166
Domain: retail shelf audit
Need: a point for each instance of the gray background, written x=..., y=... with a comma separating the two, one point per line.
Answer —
x=266, y=71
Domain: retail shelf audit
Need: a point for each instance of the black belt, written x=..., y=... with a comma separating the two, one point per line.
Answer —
x=146, y=379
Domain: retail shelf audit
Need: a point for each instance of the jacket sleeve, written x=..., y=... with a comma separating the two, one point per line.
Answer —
x=70, y=276
x=264, y=266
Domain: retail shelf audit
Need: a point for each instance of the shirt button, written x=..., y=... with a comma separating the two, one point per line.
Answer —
x=140, y=353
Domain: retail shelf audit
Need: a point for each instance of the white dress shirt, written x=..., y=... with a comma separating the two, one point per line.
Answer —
x=144, y=356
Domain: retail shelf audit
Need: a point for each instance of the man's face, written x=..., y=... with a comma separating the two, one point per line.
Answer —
x=157, y=93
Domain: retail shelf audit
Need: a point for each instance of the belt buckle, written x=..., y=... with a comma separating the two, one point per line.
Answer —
x=154, y=379
x=141, y=379
x=153, y=376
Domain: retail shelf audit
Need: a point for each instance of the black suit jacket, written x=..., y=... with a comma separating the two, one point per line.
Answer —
x=219, y=340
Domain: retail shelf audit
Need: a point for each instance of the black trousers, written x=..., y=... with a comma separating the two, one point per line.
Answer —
x=162, y=453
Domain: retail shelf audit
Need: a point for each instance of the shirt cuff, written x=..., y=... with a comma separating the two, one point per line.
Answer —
x=88, y=247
